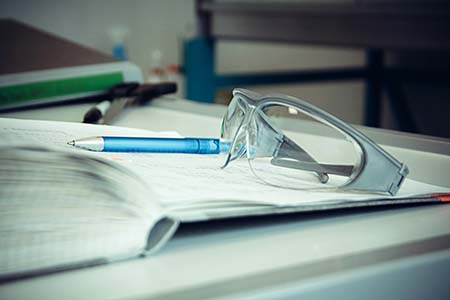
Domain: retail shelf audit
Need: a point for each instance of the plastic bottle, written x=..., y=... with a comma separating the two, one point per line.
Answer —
x=119, y=50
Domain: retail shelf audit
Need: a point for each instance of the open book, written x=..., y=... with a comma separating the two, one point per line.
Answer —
x=62, y=207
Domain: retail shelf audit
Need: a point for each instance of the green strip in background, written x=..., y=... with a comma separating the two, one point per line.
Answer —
x=18, y=94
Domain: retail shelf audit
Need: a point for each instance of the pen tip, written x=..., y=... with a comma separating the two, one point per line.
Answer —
x=71, y=143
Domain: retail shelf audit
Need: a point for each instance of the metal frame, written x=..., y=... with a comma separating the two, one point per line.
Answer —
x=419, y=26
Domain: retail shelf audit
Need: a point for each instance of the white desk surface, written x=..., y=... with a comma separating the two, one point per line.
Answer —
x=397, y=253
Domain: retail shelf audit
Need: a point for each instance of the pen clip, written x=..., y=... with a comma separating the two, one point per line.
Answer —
x=117, y=105
x=120, y=95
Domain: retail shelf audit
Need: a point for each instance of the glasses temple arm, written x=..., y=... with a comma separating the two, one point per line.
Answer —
x=344, y=170
x=291, y=155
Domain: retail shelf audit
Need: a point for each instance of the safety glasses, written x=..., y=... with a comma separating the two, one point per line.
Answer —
x=293, y=144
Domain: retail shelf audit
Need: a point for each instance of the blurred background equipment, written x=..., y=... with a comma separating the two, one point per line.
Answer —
x=382, y=29
x=29, y=78
x=375, y=62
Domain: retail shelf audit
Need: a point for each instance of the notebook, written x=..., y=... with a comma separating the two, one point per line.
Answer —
x=63, y=208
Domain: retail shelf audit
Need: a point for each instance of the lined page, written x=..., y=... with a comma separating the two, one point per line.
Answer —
x=60, y=208
x=189, y=181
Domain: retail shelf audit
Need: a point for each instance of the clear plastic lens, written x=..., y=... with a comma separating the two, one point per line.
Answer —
x=286, y=147
x=233, y=131
x=232, y=119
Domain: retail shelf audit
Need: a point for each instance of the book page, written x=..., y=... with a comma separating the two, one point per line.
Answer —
x=184, y=181
x=64, y=207
x=187, y=180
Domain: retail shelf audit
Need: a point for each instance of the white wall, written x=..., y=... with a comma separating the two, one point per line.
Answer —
x=159, y=24
x=151, y=24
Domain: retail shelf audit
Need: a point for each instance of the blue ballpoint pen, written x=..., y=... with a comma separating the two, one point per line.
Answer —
x=153, y=145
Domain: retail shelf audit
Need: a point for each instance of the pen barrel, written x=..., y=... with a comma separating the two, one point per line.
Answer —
x=162, y=145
